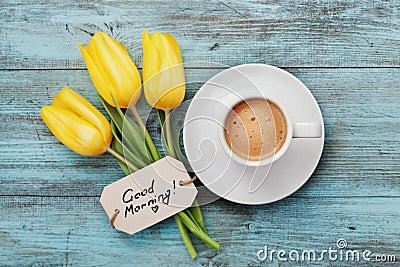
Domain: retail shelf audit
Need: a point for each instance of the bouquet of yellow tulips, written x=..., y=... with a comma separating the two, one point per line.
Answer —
x=83, y=129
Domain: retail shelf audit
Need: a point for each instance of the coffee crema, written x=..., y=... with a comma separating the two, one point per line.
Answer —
x=255, y=129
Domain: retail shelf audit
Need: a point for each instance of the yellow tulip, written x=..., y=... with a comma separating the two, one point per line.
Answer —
x=77, y=123
x=112, y=70
x=163, y=74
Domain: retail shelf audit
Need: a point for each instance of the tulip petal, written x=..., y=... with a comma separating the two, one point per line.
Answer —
x=75, y=133
x=71, y=100
x=107, y=86
x=167, y=52
x=125, y=76
x=173, y=43
x=151, y=67
x=163, y=74
x=172, y=89
x=114, y=69
x=95, y=74
x=91, y=49
x=123, y=47
x=172, y=79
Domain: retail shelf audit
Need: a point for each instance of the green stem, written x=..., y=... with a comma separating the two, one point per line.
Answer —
x=194, y=223
x=170, y=142
x=121, y=158
x=186, y=238
x=197, y=231
x=153, y=150
x=189, y=213
x=198, y=216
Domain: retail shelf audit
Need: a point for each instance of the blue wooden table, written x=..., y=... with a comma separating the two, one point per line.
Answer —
x=346, y=51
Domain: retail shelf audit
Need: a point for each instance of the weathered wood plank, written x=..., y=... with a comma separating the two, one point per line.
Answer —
x=360, y=107
x=44, y=34
x=49, y=209
x=71, y=231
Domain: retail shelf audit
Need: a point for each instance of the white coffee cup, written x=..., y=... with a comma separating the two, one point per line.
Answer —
x=294, y=130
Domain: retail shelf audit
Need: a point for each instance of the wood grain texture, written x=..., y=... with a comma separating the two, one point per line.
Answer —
x=345, y=51
x=360, y=108
x=74, y=232
x=343, y=33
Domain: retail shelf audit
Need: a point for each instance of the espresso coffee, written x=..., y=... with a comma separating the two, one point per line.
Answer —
x=255, y=129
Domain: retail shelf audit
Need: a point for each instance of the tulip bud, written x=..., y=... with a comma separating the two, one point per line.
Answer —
x=112, y=70
x=163, y=73
x=77, y=123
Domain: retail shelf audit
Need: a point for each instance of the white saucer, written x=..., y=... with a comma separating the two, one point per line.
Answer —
x=228, y=178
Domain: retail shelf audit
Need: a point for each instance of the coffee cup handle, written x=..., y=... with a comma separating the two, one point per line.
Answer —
x=307, y=130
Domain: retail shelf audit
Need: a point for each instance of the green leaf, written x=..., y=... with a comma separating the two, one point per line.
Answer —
x=155, y=154
x=161, y=119
x=175, y=137
x=133, y=134
x=114, y=115
x=118, y=119
x=117, y=147
x=128, y=154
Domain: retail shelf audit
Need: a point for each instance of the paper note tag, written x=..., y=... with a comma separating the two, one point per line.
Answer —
x=148, y=196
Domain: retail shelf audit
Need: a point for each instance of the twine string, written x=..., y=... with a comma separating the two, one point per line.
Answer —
x=188, y=181
x=113, y=217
